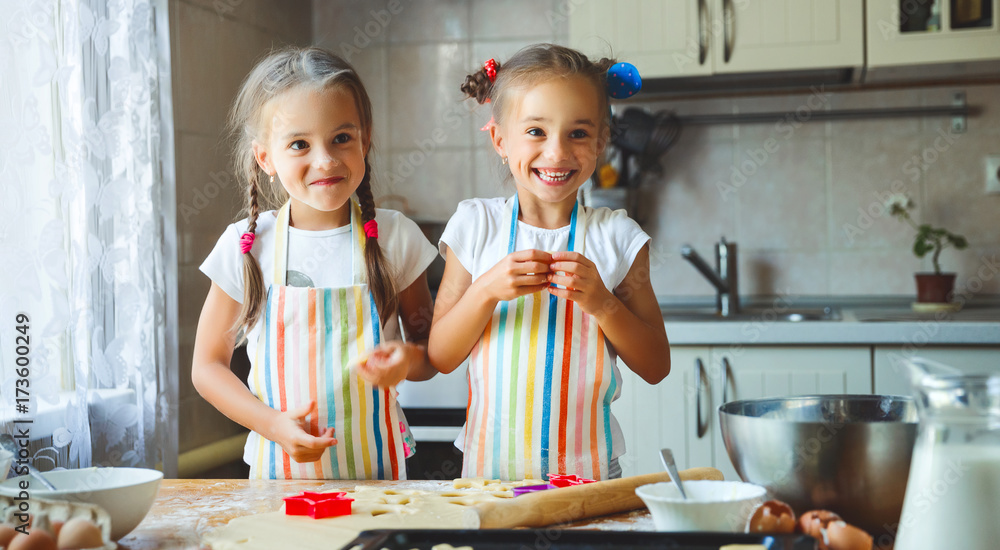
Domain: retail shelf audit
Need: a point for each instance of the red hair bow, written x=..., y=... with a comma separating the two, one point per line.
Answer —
x=491, y=69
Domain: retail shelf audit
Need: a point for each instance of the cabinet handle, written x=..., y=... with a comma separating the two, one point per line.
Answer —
x=702, y=37
x=728, y=28
x=699, y=375
x=727, y=372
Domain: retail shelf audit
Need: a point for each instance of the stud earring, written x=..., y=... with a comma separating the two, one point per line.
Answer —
x=272, y=178
x=505, y=160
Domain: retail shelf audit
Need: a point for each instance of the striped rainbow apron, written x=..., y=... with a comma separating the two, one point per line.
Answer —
x=541, y=381
x=301, y=355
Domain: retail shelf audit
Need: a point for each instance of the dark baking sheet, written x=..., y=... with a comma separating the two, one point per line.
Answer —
x=576, y=539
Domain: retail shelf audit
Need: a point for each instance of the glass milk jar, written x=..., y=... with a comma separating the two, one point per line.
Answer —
x=953, y=493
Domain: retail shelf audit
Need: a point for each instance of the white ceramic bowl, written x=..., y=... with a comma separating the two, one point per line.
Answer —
x=125, y=493
x=6, y=459
x=710, y=506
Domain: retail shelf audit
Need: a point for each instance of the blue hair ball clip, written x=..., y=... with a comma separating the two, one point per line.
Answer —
x=623, y=80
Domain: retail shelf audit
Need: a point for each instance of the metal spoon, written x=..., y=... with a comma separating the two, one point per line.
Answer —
x=8, y=443
x=668, y=462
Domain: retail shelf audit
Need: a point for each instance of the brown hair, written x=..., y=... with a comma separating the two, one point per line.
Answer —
x=534, y=64
x=277, y=73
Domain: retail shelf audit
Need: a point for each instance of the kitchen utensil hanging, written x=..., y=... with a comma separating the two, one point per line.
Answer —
x=644, y=137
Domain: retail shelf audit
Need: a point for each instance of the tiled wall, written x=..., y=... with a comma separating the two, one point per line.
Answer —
x=214, y=43
x=807, y=215
x=788, y=217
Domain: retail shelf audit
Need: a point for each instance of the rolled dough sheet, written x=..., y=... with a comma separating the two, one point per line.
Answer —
x=373, y=508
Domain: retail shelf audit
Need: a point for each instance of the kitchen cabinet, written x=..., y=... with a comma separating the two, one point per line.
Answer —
x=668, y=415
x=675, y=38
x=892, y=376
x=911, y=32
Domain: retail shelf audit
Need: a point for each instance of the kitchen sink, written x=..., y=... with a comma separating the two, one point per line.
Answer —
x=966, y=315
x=752, y=315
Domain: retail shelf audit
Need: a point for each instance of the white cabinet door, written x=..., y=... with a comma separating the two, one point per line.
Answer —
x=666, y=415
x=776, y=35
x=892, y=376
x=663, y=38
x=759, y=372
x=899, y=33
x=674, y=38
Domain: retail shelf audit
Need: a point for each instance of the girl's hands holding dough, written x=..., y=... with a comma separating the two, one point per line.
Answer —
x=291, y=430
x=388, y=364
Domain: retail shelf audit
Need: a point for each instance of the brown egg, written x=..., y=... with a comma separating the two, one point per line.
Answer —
x=847, y=537
x=814, y=522
x=772, y=516
x=36, y=539
x=80, y=533
x=6, y=533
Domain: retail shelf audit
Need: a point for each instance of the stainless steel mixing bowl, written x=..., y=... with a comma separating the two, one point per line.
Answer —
x=845, y=453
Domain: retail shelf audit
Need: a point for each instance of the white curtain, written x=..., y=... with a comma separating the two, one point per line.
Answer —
x=81, y=233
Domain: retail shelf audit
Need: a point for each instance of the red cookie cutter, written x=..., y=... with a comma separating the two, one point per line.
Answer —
x=567, y=480
x=318, y=505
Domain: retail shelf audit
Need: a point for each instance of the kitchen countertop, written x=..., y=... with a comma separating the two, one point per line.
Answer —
x=185, y=509
x=863, y=321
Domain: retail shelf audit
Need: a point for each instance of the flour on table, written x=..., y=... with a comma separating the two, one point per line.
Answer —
x=373, y=508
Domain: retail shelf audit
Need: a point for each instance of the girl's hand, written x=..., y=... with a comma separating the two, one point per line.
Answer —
x=582, y=281
x=389, y=363
x=291, y=430
x=519, y=273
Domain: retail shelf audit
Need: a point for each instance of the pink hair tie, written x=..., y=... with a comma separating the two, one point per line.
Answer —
x=246, y=242
x=371, y=229
x=491, y=69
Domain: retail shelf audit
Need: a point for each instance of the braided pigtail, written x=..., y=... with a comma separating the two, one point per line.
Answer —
x=254, y=292
x=479, y=85
x=380, y=280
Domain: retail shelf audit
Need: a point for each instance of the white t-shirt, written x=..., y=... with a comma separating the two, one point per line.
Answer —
x=319, y=259
x=478, y=237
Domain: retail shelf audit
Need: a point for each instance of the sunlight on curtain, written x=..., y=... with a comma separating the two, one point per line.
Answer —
x=81, y=232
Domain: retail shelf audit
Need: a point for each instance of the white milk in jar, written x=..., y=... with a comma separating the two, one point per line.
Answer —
x=952, y=498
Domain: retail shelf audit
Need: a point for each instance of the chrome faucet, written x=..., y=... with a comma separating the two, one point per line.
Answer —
x=727, y=298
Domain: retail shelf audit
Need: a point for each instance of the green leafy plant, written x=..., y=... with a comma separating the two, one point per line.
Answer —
x=928, y=239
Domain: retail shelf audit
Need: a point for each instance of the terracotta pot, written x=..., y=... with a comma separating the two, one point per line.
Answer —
x=936, y=288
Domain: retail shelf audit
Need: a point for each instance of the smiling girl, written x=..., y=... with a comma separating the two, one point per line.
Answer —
x=539, y=292
x=314, y=286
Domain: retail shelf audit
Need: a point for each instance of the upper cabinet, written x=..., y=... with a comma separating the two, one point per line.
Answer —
x=663, y=38
x=921, y=32
x=675, y=38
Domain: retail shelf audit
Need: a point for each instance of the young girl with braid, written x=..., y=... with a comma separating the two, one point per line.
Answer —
x=314, y=286
x=539, y=292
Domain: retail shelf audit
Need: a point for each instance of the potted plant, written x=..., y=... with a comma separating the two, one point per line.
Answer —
x=936, y=287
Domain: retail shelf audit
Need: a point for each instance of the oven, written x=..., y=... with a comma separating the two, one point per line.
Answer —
x=435, y=410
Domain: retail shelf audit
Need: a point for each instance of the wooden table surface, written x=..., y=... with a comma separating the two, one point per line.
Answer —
x=185, y=509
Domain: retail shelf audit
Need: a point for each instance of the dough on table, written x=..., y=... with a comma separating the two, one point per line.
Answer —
x=373, y=508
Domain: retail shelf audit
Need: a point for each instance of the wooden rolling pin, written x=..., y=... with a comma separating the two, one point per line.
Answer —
x=576, y=502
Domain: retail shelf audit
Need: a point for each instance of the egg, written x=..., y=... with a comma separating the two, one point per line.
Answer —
x=847, y=537
x=36, y=539
x=772, y=516
x=6, y=533
x=814, y=522
x=80, y=533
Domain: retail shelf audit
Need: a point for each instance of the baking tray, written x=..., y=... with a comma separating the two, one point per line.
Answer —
x=576, y=539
